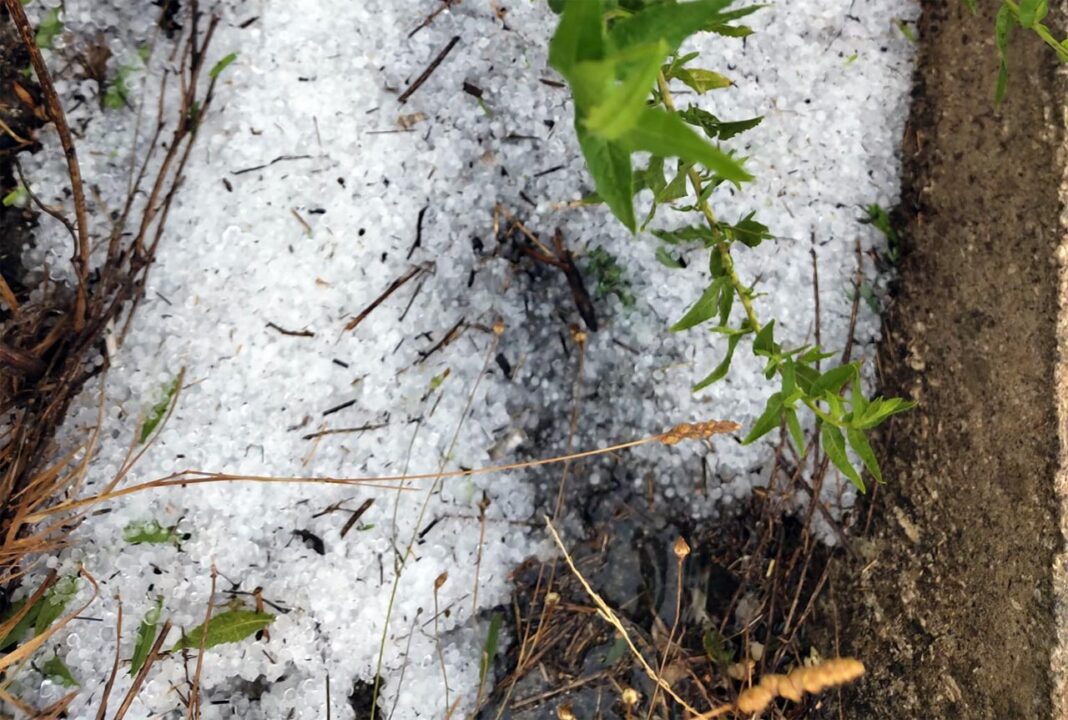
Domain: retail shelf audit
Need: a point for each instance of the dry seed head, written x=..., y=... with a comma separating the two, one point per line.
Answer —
x=552, y=598
x=564, y=712
x=498, y=328
x=630, y=697
x=813, y=679
x=681, y=548
x=698, y=431
x=440, y=580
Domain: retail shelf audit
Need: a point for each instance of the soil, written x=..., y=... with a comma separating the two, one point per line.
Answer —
x=950, y=603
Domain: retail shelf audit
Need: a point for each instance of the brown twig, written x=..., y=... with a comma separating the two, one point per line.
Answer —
x=80, y=258
x=422, y=76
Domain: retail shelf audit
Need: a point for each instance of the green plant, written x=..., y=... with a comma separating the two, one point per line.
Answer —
x=1027, y=14
x=619, y=58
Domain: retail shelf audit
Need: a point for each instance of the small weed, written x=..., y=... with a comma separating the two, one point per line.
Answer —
x=159, y=410
x=608, y=274
x=1026, y=14
x=149, y=532
x=17, y=197
x=146, y=634
x=227, y=627
x=879, y=218
x=117, y=95
x=217, y=69
x=619, y=60
x=51, y=26
x=57, y=671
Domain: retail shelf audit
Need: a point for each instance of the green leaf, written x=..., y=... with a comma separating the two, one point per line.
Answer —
x=879, y=410
x=149, y=532
x=702, y=310
x=221, y=65
x=146, y=636
x=716, y=647
x=748, y=231
x=725, y=365
x=667, y=259
x=727, y=130
x=27, y=621
x=833, y=380
x=16, y=197
x=58, y=672
x=796, y=434
x=578, y=37
x=834, y=446
x=159, y=410
x=50, y=27
x=672, y=23
x=654, y=175
x=489, y=649
x=859, y=442
x=609, y=164
x=702, y=80
x=54, y=602
x=1033, y=12
x=1004, y=23
x=663, y=133
x=690, y=233
x=228, y=627
x=618, y=111
x=764, y=342
x=906, y=30
x=768, y=420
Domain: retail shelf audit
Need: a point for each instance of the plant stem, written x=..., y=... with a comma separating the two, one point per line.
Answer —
x=1041, y=30
x=721, y=246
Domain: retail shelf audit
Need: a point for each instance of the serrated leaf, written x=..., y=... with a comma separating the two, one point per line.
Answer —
x=749, y=232
x=618, y=110
x=159, y=410
x=833, y=380
x=727, y=130
x=609, y=165
x=859, y=442
x=663, y=133
x=55, y=602
x=834, y=446
x=768, y=420
x=702, y=80
x=221, y=65
x=57, y=671
x=724, y=366
x=227, y=627
x=668, y=22
x=702, y=310
x=146, y=635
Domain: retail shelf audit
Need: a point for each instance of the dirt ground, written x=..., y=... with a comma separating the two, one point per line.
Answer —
x=950, y=603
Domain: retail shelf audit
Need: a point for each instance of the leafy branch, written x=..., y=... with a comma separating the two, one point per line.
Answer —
x=1027, y=14
x=619, y=58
